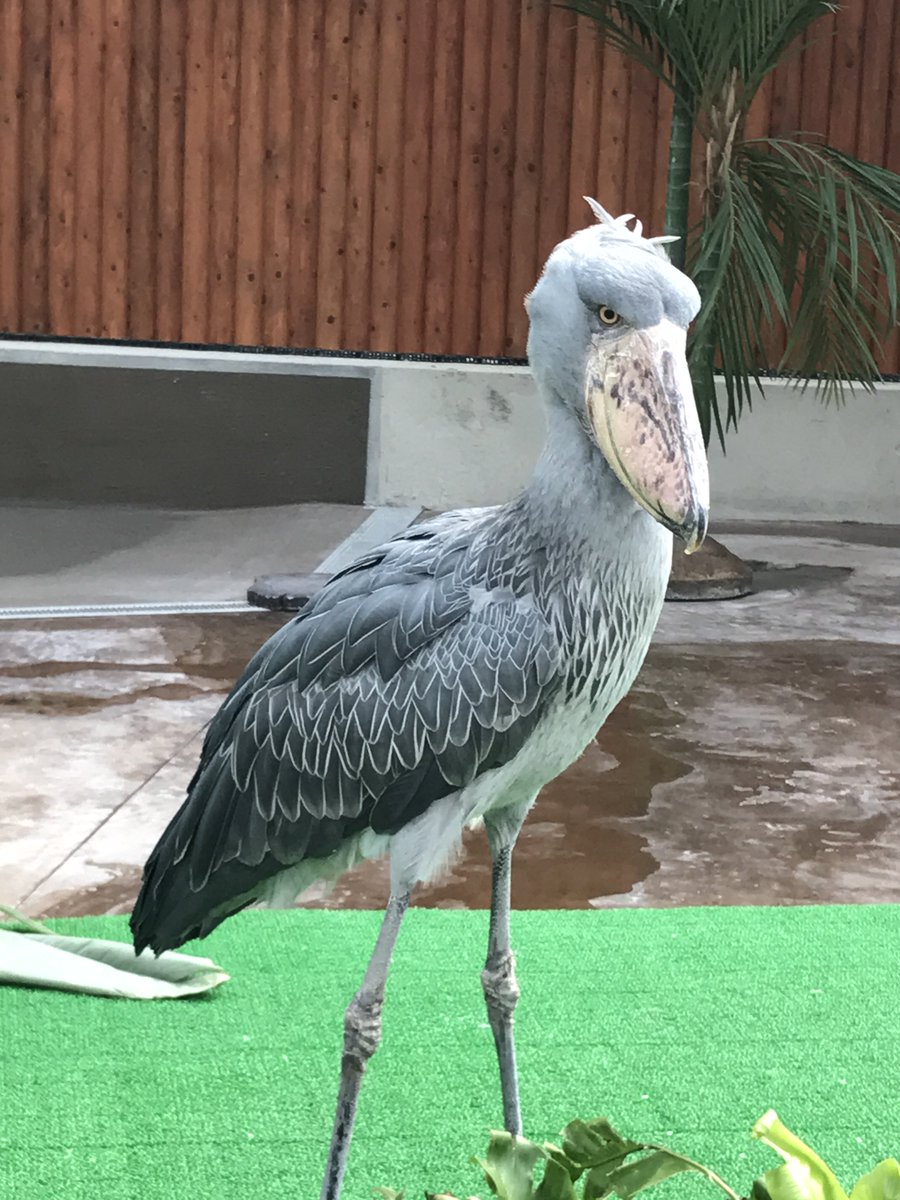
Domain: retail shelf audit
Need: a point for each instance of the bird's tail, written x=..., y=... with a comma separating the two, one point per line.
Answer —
x=189, y=884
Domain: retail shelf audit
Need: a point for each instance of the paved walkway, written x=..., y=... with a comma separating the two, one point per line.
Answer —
x=755, y=761
x=119, y=555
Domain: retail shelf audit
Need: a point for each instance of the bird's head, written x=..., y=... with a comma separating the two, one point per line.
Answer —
x=609, y=320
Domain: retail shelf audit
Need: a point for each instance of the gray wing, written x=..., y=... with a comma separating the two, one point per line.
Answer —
x=400, y=683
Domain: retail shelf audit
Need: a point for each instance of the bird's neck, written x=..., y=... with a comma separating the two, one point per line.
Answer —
x=574, y=500
x=601, y=563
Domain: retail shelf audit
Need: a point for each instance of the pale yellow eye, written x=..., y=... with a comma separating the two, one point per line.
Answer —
x=607, y=315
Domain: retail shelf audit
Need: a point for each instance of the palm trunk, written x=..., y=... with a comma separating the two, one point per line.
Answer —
x=702, y=355
x=702, y=358
x=679, y=176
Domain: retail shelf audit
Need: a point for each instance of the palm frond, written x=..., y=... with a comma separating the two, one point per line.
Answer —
x=735, y=263
x=770, y=29
x=793, y=232
x=836, y=220
x=805, y=236
x=633, y=27
x=703, y=45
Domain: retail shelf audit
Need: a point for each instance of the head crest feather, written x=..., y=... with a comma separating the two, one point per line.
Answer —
x=621, y=223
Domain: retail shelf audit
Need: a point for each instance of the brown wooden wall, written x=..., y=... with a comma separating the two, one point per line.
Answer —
x=374, y=174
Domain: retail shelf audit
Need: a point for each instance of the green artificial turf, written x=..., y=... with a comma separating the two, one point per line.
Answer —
x=681, y=1026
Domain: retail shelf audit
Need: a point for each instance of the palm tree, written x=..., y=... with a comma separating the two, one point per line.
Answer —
x=789, y=228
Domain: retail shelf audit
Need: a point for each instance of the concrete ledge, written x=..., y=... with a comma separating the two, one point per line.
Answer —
x=439, y=435
x=795, y=458
x=468, y=435
x=451, y=436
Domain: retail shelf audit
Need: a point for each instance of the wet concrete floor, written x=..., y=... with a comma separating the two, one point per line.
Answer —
x=756, y=760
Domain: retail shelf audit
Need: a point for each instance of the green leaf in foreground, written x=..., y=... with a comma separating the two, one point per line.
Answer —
x=593, y=1156
x=39, y=958
x=804, y=1176
x=881, y=1184
x=790, y=1181
x=814, y=1181
x=596, y=1144
x=632, y=1178
x=509, y=1165
x=557, y=1182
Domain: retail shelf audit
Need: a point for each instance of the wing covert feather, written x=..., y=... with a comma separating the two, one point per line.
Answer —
x=399, y=684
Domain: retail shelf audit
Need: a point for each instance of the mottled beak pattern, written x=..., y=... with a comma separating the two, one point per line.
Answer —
x=640, y=404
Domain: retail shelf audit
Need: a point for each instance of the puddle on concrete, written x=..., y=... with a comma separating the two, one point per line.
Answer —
x=764, y=772
x=186, y=655
x=116, y=896
x=850, y=533
x=574, y=845
x=770, y=577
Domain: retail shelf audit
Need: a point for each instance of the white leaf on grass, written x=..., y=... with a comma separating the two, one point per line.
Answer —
x=102, y=968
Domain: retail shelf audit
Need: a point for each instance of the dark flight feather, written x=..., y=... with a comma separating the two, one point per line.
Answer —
x=403, y=680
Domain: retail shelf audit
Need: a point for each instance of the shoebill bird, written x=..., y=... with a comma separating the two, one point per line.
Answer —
x=446, y=676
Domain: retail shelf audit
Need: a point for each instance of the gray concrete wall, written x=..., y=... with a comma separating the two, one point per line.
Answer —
x=435, y=435
x=795, y=458
x=90, y=434
x=470, y=434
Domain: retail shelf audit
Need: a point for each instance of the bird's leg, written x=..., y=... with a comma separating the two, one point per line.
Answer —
x=362, y=1034
x=501, y=989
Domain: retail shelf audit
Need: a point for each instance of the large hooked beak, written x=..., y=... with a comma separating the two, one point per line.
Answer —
x=641, y=408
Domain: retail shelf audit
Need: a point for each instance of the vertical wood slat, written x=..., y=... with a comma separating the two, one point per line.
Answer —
x=817, y=63
x=302, y=285
x=360, y=171
x=878, y=80
x=641, y=159
x=115, y=170
x=759, y=118
x=61, y=247
x=758, y=124
x=10, y=157
x=500, y=151
x=416, y=163
x=88, y=168
x=34, y=131
x=331, y=263
x=223, y=147
x=414, y=211
x=654, y=221
x=197, y=190
x=557, y=132
x=871, y=137
x=144, y=132
x=251, y=151
x=388, y=178
x=277, y=173
x=611, y=147
x=784, y=119
x=471, y=177
x=784, y=108
x=526, y=172
x=759, y=121
x=443, y=184
x=170, y=168
x=891, y=157
x=585, y=114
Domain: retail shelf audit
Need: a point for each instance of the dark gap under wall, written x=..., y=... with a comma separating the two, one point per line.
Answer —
x=180, y=439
